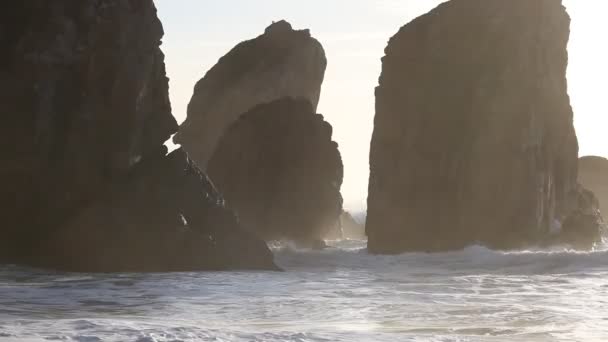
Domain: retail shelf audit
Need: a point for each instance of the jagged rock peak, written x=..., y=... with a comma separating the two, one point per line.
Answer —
x=278, y=27
x=282, y=29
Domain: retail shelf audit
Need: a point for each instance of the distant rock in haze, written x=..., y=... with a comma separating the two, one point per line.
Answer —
x=351, y=228
x=347, y=227
x=278, y=167
x=593, y=175
x=473, y=139
x=85, y=181
x=280, y=63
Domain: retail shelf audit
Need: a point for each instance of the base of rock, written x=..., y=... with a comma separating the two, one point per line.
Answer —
x=166, y=217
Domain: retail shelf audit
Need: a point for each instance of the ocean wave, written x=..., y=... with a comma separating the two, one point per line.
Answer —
x=353, y=254
x=341, y=293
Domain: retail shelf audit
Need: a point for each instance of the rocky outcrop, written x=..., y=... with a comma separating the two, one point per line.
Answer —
x=473, y=139
x=593, y=175
x=165, y=216
x=584, y=226
x=280, y=63
x=86, y=112
x=279, y=169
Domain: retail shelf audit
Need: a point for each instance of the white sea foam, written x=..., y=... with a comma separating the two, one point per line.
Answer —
x=338, y=294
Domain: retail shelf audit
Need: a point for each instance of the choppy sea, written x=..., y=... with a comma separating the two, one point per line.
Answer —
x=338, y=294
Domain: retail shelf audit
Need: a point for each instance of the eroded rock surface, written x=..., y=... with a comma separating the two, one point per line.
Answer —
x=85, y=103
x=473, y=139
x=280, y=63
x=278, y=167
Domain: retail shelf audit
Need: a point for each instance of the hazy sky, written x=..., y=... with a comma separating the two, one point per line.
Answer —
x=354, y=34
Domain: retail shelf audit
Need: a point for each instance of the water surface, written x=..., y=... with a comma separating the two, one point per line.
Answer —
x=339, y=294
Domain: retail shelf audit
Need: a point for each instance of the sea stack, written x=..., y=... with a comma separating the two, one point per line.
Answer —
x=473, y=138
x=278, y=167
x=87, y=184
x=593, y=175
x=282, y=62
x=252, y=124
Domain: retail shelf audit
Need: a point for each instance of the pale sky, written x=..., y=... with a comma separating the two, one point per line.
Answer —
x=354, y=34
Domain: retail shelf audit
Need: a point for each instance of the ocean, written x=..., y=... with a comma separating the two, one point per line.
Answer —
x=338, y=294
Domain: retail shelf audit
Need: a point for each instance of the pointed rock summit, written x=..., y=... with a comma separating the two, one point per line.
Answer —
x=282, y=62
x=473, y=139
x=279, y=29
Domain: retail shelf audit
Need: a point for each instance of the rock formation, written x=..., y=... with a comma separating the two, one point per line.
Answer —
x=351, y=229
x=473, y=139
x=584, y=226
x=85, y=182
x=593, y=175
x=280, y=63
x=279, y=169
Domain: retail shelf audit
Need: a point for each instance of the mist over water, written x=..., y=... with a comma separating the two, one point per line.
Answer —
x=338, y=294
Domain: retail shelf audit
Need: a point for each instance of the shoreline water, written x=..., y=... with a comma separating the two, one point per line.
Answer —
x=338, y=294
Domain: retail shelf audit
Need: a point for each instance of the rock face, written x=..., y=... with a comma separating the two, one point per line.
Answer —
x=473, y=139
x=280, y=63
x=86, y=112
x=279, y=169
x=593, y=174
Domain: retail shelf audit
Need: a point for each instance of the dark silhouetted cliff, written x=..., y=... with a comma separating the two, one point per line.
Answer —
x=473, y=139
x=85, y=183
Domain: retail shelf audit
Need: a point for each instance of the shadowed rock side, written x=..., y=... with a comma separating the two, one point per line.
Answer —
x=593, y=174
x=279, y=169
x=166, y=216
x=84, y=99
x=280, y=63
x=473, y=139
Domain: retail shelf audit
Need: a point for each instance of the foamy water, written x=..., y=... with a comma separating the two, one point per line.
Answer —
x=339, y=294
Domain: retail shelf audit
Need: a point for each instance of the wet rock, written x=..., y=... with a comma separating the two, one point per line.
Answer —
x=280, y=63
x=85, y=101
x=473, y=138
x=278, y=167
x=584, y=227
